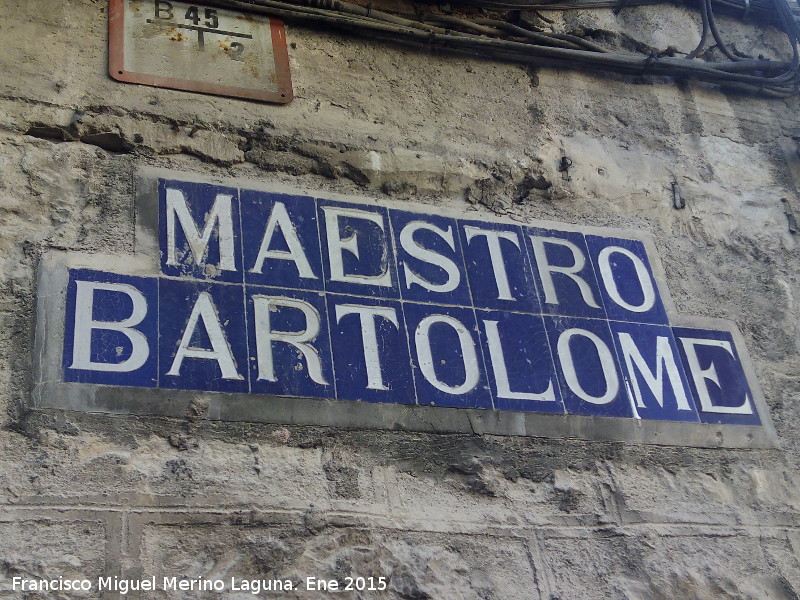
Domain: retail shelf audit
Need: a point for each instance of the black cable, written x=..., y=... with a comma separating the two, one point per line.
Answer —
x=712, y=23
x=773, y=78
x=704, y=15
x=575, y=44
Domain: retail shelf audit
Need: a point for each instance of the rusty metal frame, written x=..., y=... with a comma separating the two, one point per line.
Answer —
x=116, y=65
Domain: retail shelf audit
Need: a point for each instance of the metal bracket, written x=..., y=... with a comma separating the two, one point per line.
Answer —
x=787, y=210
x=563, y=167
x=677, y=199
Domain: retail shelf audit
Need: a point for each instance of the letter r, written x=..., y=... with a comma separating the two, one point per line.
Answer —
x=266, y=336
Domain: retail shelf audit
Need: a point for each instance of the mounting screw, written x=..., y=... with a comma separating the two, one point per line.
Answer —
x=77, y=116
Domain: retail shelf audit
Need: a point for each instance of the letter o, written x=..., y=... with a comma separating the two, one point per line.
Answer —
x=642, y=275
x=423, y=343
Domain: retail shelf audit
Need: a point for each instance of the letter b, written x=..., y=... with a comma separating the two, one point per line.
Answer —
x=110, y=329
x=163, y=10
x=85, y=324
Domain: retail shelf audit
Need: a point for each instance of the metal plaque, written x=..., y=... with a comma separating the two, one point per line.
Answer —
x=195, y=48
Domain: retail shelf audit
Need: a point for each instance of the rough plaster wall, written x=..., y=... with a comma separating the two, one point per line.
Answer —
x=443, y=516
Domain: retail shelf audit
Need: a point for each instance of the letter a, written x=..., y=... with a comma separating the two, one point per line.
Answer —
x=204, y=311
x=279, y=219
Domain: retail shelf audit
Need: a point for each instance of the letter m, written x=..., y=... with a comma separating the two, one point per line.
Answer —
x=219, y=217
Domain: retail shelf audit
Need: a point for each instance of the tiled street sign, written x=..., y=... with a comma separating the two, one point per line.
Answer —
x=290, y=300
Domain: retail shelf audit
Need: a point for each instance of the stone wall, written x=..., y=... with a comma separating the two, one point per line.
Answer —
x=441, y=516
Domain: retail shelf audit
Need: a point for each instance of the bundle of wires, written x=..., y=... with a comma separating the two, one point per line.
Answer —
x=501, y=39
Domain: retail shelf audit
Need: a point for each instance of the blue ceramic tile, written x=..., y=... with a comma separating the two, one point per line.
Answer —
x=281, y=241
x=653, y=372
x=587, y=367
x=716, y=376
x=370, y=350
x=357, y=250
x=565, y=279
x=429, y=261
x=519, y=362
x=199, y=231
x=110, y=330
x=497, y=266
x=626, y=280
x=203, y=337
x=448, y=363
x=290, y=351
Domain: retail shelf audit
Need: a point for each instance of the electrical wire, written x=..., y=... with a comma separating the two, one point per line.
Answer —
x=500, y=39
x=704, y=36
x=712, y=24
